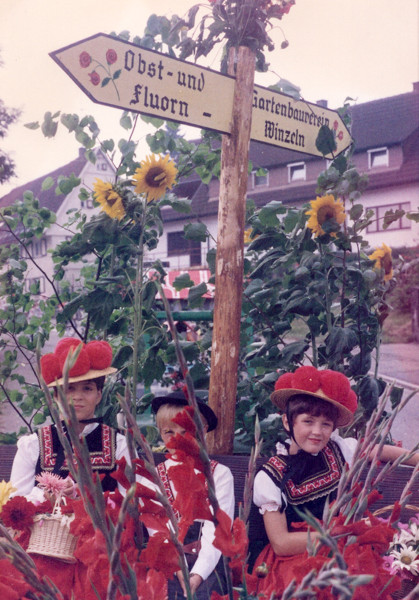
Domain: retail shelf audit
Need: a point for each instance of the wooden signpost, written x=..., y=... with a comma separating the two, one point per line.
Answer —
x=120, y=74
x=117, y=73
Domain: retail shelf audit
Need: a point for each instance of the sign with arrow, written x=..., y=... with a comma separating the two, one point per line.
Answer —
x=121, y=74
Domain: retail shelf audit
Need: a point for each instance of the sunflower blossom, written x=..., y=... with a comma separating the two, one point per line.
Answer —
x=324, y=208
x=109, y=199
x=154, y=176
x=383, y=260
x=6, y=489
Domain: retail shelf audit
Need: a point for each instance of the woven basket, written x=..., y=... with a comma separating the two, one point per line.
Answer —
x=388, y=509
x=51, y=537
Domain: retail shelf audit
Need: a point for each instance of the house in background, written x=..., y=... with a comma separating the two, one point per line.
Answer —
x=60, y=204
x=386, y=134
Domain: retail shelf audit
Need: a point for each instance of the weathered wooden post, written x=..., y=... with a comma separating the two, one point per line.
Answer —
x=229, y=259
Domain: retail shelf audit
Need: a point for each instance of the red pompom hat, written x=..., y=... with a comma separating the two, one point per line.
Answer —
x=94, y=360
x=331, y=386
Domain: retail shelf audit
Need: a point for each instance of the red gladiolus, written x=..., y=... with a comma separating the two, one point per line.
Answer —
x=233, y=542
x=140, y=469
x=185, y=446
x=12, y=584
x=18, y=513
x=142, y=491
x=119, y=474
x=184, y=418
x=373, y=497
x=154, y=587
x=111, y=56
x=85, y=59
x=161, y=554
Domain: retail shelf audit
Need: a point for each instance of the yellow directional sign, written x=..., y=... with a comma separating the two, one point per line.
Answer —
x=121, y=74
x=281, y=120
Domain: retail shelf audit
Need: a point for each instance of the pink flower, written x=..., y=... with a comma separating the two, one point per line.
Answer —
x=51, y=483
x=111, y=56
x=335, y=125
x=94, y=78
x=85, y=59
x=340, y=135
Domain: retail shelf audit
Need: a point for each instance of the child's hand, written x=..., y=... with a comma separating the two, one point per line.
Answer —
x=194, y=582
x=71, y=489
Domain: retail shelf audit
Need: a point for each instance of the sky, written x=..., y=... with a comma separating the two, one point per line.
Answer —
x=362, y=49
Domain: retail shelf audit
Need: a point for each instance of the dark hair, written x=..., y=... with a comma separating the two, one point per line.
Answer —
x=99, y=381
x=303, y=403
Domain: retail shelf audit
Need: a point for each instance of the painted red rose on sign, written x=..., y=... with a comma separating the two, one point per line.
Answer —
x=111, y=56
x=94, y=78
x=85, y=59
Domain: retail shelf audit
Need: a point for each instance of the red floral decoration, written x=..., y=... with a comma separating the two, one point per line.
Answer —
x=184, y=418
x=111, y=56
x=85, y=59
x=333, y=384
x=18, y=513
x=95, y=355
x=94, y=78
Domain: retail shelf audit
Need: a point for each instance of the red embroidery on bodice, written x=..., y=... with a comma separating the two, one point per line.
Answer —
x=312, y=487
x=100, y=459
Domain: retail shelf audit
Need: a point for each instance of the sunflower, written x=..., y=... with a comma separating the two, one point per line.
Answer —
x=383, y=260
x=154, y=176
x=109, y=199
x=324, y=208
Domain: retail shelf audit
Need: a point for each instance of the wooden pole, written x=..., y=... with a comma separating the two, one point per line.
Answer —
x=229, y=259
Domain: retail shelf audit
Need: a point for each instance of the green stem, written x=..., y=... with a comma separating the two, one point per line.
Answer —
x=315, y=357
x=138, y=305
x=328, y=306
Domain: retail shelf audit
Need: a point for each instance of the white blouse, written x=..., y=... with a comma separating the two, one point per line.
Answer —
x=24, y=464
x=268, y=496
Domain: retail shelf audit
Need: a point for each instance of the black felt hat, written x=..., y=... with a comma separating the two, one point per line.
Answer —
x=179, y=399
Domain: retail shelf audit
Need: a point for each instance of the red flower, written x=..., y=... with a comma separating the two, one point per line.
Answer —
x=18, y=513
x=85, y=59
x=12, y=584
x=142, y=491
x=192, y=498
x=373, y=496
x=94, y=78
x=232, y=542
x=161, y=554
x=119, y=474
x=185, y=446
x=154, y=587
x=111, y=56
x=184, y=418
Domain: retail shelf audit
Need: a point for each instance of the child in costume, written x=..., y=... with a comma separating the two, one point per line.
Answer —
x=43, y=451
x=306, y=471
x=205, y=566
